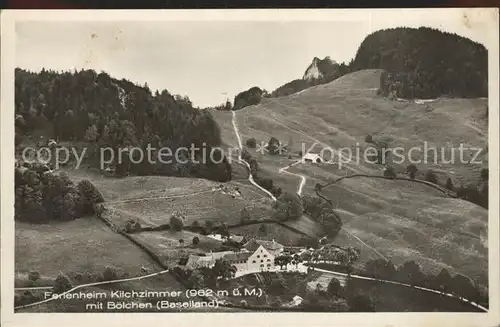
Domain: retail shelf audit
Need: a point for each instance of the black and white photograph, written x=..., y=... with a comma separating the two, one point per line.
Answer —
x=223, y=163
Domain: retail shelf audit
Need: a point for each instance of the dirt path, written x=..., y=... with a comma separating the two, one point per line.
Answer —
x=240, y=146
x=303, y=178
x=368, y=246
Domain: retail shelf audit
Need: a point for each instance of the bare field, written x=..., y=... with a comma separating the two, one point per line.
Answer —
x=208, y=206
x=82, y=245
x=167, y=244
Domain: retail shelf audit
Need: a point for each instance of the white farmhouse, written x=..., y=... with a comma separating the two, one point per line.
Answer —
x=256, y=255
x=312, y=158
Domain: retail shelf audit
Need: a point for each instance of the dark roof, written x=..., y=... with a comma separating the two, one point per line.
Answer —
x=239, y=256
x=254, y=244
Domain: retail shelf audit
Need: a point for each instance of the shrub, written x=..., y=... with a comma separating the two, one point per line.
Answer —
x=273, y=146
x=176, y=222
x=334, y=288
x=252, y=143
x=62, y=284
x=26, y=298
x=463, y=286
x=380, y=268
x=78, y=277
x=484, y=174
x=128, y=227
x=411, y=170
x=410, y=273
x=430, y=176
x=369, y=139
x=209, y=225
x=287, y=206
x=443, y=281
x=449, y=184
x=361, y=303
x=109, y=273
x=137, y=226
x=89, y=195
x=34, y=276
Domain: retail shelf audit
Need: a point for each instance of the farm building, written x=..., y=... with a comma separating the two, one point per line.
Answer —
x=312, y=158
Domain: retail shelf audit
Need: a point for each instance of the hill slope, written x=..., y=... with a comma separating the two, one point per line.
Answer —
x=401, y=220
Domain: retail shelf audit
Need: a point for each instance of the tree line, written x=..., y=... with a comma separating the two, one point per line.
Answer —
x=42, y=196
x=90, y=107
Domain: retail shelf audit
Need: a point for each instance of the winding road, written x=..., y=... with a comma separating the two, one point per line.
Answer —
x=303, y=178
x=240, y=146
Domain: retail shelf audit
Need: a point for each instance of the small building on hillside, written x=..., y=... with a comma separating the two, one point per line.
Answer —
x=312, y=158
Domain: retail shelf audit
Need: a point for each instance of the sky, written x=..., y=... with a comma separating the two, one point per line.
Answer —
x=208, y=61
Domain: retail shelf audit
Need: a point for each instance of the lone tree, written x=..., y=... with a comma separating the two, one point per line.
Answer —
x=62, y=284
x=196, y=240
x=273, y=145
x=430, y=176
x=252, y=143
x=449, y=184
x=288, y=206
x=223, y=269
x=89, y=195
x=109, y=273
x=282, y=260
x=369, y=138
x=411, y=170
x=181, y=242
x=209, y=225
x=176, y=222
x=334, y=288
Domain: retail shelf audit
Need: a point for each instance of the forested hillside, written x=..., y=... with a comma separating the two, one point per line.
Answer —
x=92, y=107
x=420, y=63
x=425, y=63
x=249, y=97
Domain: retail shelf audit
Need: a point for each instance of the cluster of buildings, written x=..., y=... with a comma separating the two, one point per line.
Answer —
x=254, y=256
